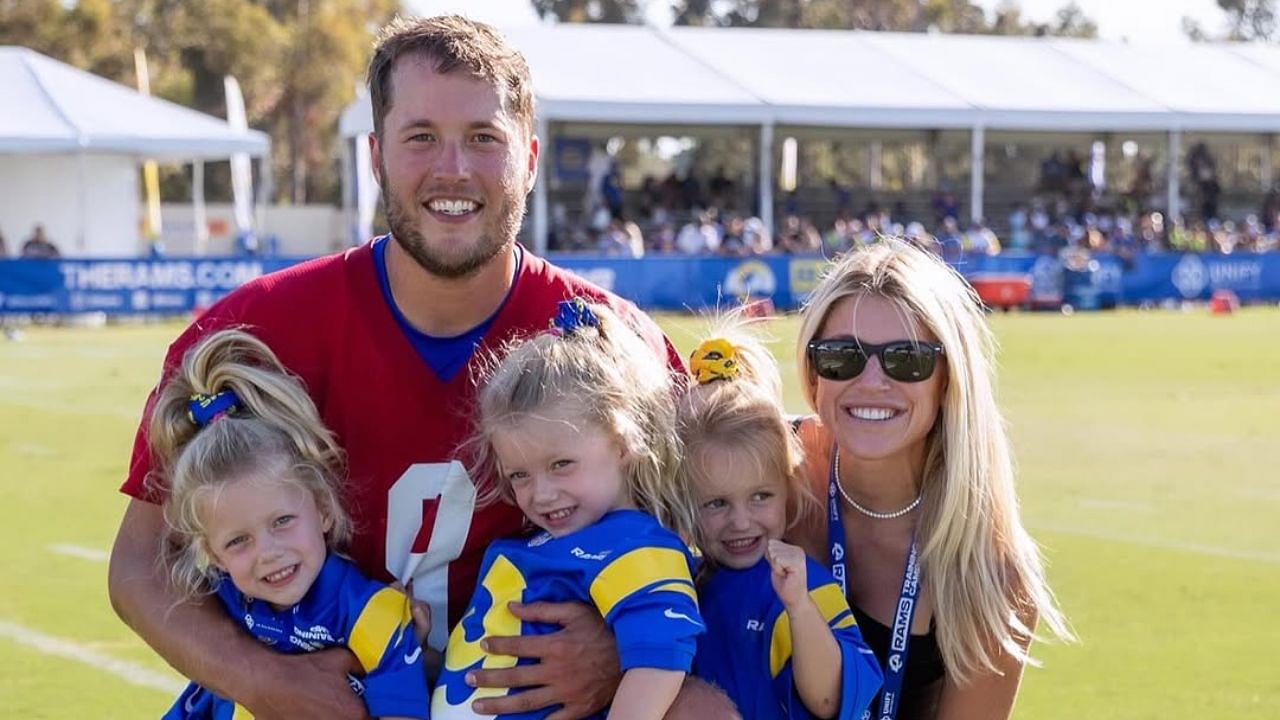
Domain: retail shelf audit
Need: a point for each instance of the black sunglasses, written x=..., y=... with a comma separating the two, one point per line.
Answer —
x=846, y=358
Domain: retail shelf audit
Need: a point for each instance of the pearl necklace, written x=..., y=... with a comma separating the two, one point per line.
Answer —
x=868, y=512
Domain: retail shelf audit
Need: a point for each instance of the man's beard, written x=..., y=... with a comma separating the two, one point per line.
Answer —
x=498, y=234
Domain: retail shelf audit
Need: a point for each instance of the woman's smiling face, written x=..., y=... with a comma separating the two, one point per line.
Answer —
x=873, y=416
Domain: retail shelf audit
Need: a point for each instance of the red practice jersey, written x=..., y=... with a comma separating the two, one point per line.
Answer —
x=413, y=503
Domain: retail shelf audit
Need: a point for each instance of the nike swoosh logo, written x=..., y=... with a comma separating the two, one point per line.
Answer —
x=412, y=657
x=679, y=616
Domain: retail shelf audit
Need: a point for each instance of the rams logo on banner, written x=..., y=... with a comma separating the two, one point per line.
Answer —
x=751, y=278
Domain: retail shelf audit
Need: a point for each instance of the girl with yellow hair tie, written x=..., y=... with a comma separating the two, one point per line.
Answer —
x=780, y=638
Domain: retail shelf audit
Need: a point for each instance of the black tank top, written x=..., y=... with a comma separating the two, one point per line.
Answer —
x=922, y=683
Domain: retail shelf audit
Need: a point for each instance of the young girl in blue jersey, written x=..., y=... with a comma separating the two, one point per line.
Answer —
x=577, y=426
x=251, y=482
x=780, y=640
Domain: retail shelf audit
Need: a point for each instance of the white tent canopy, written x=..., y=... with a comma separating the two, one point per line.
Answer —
x=70, y=144
x=642, y=74
x=51, y=107
x=613, y=74
x=824, y=78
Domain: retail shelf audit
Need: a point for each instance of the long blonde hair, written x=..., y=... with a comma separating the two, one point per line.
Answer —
x=742, y=411
x=983, y=569
x=275, y=428
x=607, y=372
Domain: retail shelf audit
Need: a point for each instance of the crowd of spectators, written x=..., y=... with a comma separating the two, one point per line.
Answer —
x=683, y=215
x=1040, y=229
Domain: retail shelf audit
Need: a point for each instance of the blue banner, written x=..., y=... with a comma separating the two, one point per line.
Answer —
x=125, y=286
x=181, y=285
x=685, y=283
x=572, y=156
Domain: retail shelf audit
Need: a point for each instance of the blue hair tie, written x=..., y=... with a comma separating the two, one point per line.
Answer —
x=572, y=316
x=203, y=409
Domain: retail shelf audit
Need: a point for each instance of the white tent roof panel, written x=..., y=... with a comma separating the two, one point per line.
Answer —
x=1204, y=86
x=60, y=108
x=1012, y=74
x=820, y=78
x=817, y=77
x=1264, y=56
x=28, y=119
x=624, y=73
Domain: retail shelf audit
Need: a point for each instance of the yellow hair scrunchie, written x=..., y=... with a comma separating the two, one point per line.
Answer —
x=715, y=359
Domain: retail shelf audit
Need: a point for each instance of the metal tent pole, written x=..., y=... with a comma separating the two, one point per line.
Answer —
x=766, y=177
x=977, y=172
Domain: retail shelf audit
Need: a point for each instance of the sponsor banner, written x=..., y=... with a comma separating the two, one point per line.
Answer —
x=181, y=285
x=695, y=283
x=1196, y=277
x=125, y=286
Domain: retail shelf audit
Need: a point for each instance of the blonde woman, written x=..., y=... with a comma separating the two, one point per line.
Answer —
x=910, y=453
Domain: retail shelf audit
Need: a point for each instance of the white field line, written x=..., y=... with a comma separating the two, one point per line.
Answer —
x=71, y=650
x=1110, y=504
x=79, y=551
x=1161, y=544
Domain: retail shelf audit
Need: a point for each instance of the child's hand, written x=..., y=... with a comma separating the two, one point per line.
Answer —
x=432, y=660
x=789, y=577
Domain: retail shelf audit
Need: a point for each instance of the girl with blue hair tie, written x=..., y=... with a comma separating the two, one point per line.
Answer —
x=251, y=479
x=577, y=426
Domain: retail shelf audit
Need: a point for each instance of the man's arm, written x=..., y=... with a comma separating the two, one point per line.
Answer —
x=577, y=668
x=202, y=643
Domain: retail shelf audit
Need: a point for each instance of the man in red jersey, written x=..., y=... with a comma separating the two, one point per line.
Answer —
x=384, y=336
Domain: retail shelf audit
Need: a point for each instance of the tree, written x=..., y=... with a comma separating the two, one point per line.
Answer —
x=584, y=11
x=955, y=16
x=298, y=62
x=949, y=16
x=1250, y=19
x=1072, y=22
x=827, y=14
x=1247, y=21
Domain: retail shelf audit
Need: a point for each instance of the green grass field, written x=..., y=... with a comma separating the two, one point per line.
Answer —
x=1148, y=447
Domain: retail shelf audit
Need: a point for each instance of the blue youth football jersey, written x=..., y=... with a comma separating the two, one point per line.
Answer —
x=634, y=571
x=343, y=608
x=747, y=647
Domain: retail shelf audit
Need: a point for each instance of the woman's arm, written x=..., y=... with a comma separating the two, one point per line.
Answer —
x=645, y=694
x=815, y=654
x=988, y=696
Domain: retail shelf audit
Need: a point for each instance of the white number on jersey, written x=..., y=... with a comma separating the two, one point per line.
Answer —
x=449, y=485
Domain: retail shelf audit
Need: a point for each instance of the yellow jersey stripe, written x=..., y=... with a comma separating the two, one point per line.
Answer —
x=833, y=607
x=634, y=571
x=384, y=616
x=683, y=588
x=830, y=601
x=780, y=644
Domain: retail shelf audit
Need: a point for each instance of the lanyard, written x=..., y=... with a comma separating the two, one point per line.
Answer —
x=896, y=662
